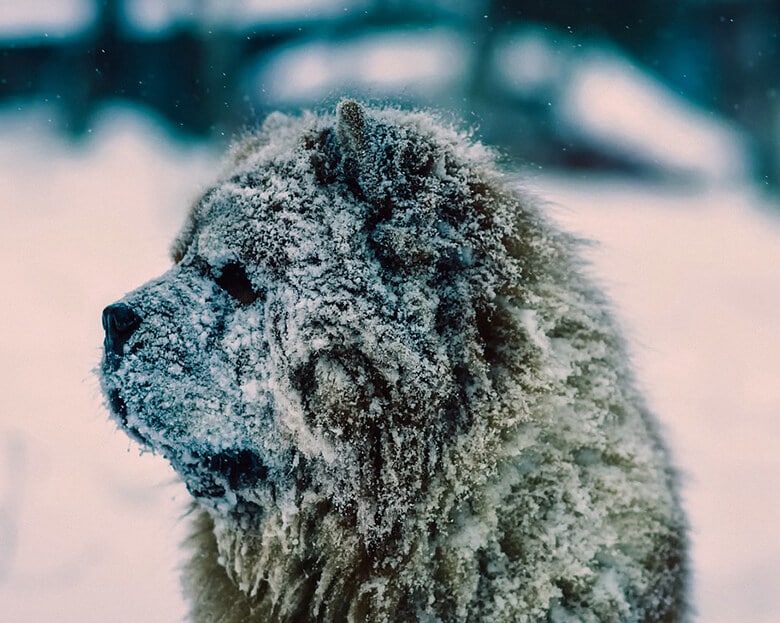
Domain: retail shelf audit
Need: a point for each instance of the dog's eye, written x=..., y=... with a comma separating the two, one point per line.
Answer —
x=233, y=280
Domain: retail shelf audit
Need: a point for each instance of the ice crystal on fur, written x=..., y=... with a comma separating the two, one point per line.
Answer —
x=393, y=394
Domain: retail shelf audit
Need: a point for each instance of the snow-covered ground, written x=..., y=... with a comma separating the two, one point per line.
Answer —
x=89, y=529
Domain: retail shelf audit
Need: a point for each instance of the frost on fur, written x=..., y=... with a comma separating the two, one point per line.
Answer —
x=393, y=394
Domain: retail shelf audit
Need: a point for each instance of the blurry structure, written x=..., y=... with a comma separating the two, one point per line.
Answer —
x=516, y=68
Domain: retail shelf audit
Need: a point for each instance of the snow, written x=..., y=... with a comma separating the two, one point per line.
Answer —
x=528, y=61
x=43, y=18
x=416, y=61
x=611, y=101
x=150, y=16
x=599, y=96
x=88, y=527
x=297, y=10
x=693, y=271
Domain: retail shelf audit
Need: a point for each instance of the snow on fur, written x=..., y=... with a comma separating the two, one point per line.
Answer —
x=393, y=393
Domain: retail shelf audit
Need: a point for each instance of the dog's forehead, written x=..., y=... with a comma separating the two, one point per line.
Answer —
x=259, y=216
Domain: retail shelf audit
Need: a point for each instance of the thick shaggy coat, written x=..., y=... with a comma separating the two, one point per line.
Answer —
x=393, y=394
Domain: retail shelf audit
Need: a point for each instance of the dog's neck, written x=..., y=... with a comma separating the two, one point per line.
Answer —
x=241, y=575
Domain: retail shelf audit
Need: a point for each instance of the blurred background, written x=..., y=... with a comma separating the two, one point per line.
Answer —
x=533, y=74
x=651, y=128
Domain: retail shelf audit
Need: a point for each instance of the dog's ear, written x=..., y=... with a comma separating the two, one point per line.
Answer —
x=351, y=127
x=355, y=131
x=389, y=164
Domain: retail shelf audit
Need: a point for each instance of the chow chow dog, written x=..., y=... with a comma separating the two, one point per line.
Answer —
x=393, y=393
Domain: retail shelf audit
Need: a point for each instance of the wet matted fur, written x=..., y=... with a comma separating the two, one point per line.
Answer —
x=393, y=393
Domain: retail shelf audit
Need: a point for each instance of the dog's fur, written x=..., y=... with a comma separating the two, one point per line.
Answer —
x=394, y=395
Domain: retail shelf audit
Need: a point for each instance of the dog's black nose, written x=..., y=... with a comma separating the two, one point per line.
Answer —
x=119, y=322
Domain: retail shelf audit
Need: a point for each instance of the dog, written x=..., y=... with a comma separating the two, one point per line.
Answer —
x=393, y=393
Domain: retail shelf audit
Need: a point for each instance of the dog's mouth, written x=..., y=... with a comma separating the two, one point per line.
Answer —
x=206, y=475
x=214, y=475
x=119, y=409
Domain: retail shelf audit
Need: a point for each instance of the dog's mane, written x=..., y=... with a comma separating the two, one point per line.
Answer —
x=484, y=386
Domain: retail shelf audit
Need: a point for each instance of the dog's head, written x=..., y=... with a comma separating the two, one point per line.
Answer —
x=333, y=320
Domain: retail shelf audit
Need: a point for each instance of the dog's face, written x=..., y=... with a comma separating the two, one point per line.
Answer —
x=321, y=326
